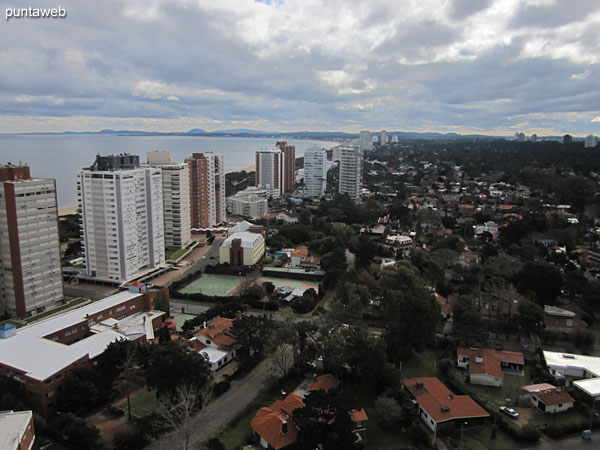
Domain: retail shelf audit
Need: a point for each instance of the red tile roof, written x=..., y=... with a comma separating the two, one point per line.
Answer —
x=549, y=394
x=358, y=416
x=440, y=403
x=324, y=383
x=491, y=360
x=268, y=422
x=301, y=251
x=217, y=331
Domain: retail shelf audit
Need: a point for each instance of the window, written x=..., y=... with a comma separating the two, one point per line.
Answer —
x=48, y=381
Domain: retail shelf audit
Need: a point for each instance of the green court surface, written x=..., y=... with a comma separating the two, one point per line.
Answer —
x=141, y=405
x=181, y=318
x=279, y=282
x=209, y=284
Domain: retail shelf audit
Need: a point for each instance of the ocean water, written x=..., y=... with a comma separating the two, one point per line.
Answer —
x=62, y=156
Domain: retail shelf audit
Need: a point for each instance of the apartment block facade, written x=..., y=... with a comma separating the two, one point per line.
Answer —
x=351, y=172
x=207, y=189
x=289, y=168
x=121, y=215
x=315, y=172
x=270, y=171
x=30, y=268
x=176, y=198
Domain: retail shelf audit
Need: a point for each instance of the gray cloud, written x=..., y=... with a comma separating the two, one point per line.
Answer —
x=464, y=64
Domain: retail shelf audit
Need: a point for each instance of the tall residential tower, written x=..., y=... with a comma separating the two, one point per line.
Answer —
x=176, y=198
x=270, y=170
x=315, y=172
x=30, y=270
x=121, y=208
x=207, y=189
x=351, y=172
x=289, y=168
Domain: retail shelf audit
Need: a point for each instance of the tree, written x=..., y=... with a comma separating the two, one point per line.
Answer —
x=251, y=334
x=531, y=316
x=389, y=411
x=544, y=280
x=365, y=251
x=468, y=325
x=324, y=422
x=161, y=302
x=175, y=416
x=79, y=392
x=172, y=365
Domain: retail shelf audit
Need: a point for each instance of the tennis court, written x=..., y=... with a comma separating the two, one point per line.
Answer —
x=279, y=282
x=210, y=284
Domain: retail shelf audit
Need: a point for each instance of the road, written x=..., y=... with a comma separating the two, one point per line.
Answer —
x=223, y=409
x=575, y=443
x=211, y=257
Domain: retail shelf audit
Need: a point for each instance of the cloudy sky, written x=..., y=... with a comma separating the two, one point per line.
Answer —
x=485, y=66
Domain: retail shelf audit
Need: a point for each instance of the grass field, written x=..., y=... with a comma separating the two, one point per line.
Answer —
x=210, y=284
x=481, y=439
x=176, y=254
x=141, y=405
x=279, y=282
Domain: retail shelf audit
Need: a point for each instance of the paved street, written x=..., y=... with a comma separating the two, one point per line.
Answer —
x=224, y=409
x=575, y=443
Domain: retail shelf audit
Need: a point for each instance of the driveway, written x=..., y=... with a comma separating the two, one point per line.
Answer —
x=223, y=409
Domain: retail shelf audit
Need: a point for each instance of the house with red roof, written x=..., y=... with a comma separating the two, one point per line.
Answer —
x=441, y=409
x=487, y=367
x=215, y=342
x=274, y=427
x=548, y=398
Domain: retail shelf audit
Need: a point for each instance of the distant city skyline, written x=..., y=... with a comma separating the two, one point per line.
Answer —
x=490, y=67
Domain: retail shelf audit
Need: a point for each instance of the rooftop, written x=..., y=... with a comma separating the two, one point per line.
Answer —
x=548, y=394
x=440, y=403
x=12, y=428
x=249, y=240
x=565, y=361
x=40, y=358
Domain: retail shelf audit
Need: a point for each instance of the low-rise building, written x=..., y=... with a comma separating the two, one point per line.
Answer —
x=215, y=342
x=548, y=398
x=41, y=354
x=16, y=430
x=242, y=249
x=250, y=203
x=572, y=367
x=487, y=367
x=561, y=320
x=440, y=409
x=400, y=244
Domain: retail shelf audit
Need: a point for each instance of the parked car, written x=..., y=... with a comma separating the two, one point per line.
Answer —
x=509, y=412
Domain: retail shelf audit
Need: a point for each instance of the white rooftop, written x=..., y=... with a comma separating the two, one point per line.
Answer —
x=97, y=343
x=249, y=240
x=242, y=226
x=554, y=311
x=590, y=364
x=41, y=358
x=590, y=386
x=12, y=428
x=213, y=354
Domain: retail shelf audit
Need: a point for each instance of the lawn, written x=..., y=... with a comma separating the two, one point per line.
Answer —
x=141, y=405
x=561, y=419
x=481, y=438
x=498, y=396
x=210, y=284
x=421, y=365
x=237, y=432
x=176, y=254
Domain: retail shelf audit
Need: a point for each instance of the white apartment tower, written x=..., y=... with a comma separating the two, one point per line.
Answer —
x=315, y=171
x=366, y=143
x=351, y=172
x=176, y=198
x=207, y=189
x=270, y=170
x=30, y=270
x=384, y=139
x=121, y=209
x=591, y=141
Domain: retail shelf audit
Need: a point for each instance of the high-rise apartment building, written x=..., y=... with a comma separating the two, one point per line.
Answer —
x=591, y=141
x=351, y=172
x=315, y=171
x=289, y=168
x=207, y=189
x=121, y=208
x=384, y=139
x=533, y=137
x=30, y=270
x=176, y=198
x=366, y=143
x=270, y=170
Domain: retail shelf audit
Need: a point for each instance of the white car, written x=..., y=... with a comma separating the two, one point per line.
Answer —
x=509, y=412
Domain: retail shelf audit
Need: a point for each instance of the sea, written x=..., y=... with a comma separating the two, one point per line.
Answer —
x=61, y=156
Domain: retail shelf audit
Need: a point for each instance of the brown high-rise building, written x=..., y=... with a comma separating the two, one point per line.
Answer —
x=30, y=269
x=207, y=189
x=289, y=169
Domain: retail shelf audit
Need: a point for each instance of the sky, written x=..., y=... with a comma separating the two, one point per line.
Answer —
x=467, y=66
